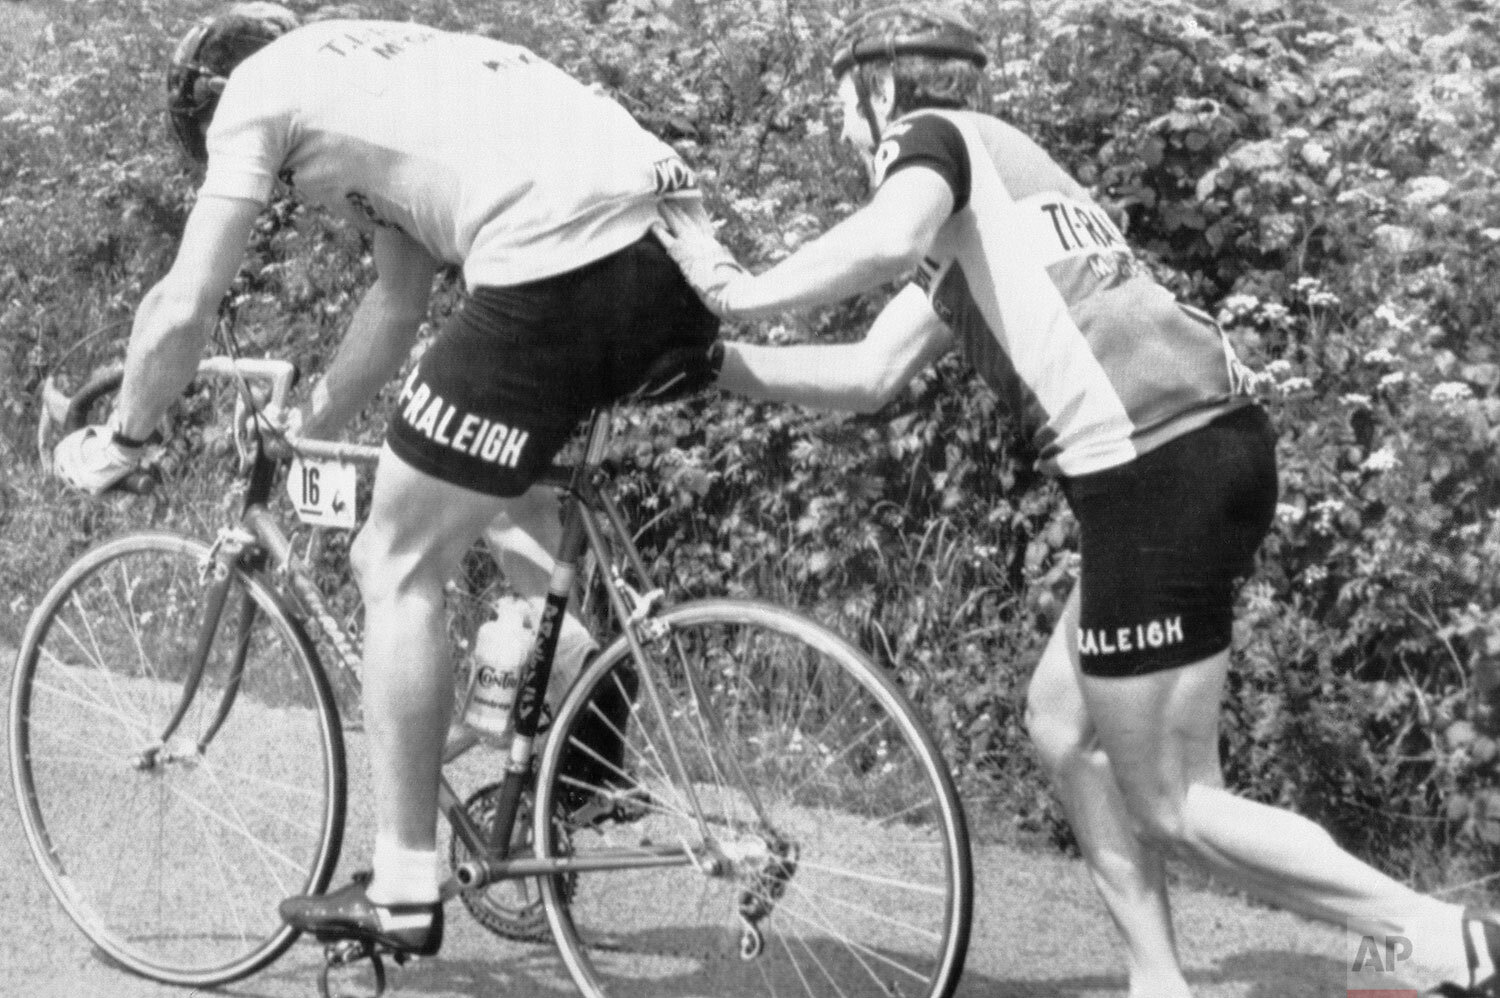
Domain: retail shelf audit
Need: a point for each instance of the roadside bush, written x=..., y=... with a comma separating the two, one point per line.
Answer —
x=1324, y=185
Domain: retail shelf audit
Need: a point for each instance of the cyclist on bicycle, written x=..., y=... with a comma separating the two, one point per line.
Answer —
x=1134, y=402
x=445, y=149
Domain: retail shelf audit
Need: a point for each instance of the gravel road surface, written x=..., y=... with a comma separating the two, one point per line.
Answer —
x=1039, y=931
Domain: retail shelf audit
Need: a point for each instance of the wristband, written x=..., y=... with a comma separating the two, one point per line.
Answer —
x=119, y=439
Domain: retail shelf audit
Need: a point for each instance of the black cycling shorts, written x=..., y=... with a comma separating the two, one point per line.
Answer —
x=1166, y=541
x=515, y=369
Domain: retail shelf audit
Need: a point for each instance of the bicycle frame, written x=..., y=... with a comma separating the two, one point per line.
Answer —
x=760, y=744
x=592, y=522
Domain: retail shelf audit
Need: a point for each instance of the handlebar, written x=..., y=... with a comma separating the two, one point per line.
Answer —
x=62, y=413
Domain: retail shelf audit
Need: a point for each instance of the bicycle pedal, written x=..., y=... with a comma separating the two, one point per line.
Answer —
x=346, y=953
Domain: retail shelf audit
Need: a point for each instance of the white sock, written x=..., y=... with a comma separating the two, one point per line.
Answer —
x=1486, y=968
x=402, y=875
x=1437, y=936
x=574, y=645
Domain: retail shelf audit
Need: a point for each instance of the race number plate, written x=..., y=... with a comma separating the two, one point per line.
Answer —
x=322, y=492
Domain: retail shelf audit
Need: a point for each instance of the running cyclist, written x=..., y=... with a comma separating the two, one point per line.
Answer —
x=445, y=149
x=1133, y=401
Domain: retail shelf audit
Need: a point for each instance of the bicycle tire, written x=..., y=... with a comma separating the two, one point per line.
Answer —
x=855, y=867
x=172, y=854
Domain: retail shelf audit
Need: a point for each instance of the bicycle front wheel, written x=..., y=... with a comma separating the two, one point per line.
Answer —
x=758, y=811
x=171, y=808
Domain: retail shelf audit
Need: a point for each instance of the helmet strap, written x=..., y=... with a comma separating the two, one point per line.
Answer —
x=866, y=104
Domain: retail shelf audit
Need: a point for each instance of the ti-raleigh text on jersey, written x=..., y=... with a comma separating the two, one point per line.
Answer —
x=1063, y=228
x=1136, y=637
x=672, y=176
x=443, y=423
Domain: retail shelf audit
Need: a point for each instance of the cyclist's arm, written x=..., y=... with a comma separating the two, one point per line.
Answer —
x=177, y=315
x=879, y=243
x=380, y=335
x=863, y=376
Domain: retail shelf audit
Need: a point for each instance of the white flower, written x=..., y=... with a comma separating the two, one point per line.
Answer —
x=1353, y=398
x=1382, y=460
x=1388, y=315
x=1237, y=306
x=1424, y=191
x=1279, y=367
x=1396, y=239
x=1315, y=156
x=1313, y=291
x=1325, y=511
x=1393, y=379
x=1380, y=355
x=1274, y=311
x=1287, y=513
x=1451, y=391
x=1493, y=235
x=1294, y=385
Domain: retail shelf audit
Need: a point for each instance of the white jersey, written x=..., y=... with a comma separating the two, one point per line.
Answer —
x=1097, y=362
x=481, y=151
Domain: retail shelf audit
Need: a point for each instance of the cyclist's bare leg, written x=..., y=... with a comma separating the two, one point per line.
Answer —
x=523, y=538
x=1160, y=732
x=1128, y=871
x=417, y=533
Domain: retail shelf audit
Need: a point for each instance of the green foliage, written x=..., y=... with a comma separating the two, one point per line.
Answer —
x=1324, y=184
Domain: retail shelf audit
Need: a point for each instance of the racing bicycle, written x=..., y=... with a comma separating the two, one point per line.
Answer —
x=779, y=822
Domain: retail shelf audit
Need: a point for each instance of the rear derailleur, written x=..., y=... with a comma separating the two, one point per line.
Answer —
x=759, y=897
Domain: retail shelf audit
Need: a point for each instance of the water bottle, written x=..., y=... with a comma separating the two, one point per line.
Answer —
x=500, y=649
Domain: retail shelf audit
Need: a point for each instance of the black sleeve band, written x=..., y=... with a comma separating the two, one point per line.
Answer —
x=934, y=142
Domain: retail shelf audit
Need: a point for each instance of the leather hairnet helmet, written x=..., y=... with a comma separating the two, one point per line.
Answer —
x=204, y=58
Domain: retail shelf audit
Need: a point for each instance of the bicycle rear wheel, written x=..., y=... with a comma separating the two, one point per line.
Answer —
x=829, y=855
x=170, y=845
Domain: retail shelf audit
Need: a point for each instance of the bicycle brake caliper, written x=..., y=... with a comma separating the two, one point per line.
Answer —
x=231, y=541
x=642, y=610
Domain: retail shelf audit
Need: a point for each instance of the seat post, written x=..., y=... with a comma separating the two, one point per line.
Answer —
x=598, y=438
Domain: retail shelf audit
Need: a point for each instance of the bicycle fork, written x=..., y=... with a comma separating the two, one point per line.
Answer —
x=219, y=572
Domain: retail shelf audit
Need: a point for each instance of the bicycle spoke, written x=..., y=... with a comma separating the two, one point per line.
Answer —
x=855, y=948
x=820, y=898
x=99, y=669
x=238, y=822
x=170, y=857
x=237, y=830
x=905, y=885
x=812, y=733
